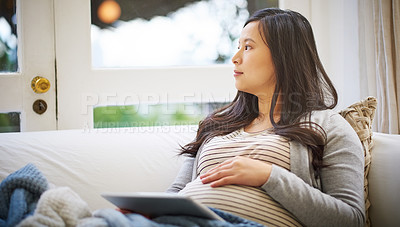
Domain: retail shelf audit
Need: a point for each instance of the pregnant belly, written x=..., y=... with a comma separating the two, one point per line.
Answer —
x=252, y=203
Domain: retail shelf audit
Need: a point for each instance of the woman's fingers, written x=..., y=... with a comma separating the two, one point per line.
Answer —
x=223, y=164
x=223, y=181
x=124, y=211
x=238, y=170
x=220, y=174
x=215, y=175
x=216, y=169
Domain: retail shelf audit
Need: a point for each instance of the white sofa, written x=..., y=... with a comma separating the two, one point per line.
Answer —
x=91, y=162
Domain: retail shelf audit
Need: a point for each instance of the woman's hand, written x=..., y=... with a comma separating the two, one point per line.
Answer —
x=238, y=170
x=124, y=211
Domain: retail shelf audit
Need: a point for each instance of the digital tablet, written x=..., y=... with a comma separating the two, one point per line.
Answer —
x=154, y=204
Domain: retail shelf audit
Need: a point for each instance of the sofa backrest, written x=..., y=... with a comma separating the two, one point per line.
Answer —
x=92, y=162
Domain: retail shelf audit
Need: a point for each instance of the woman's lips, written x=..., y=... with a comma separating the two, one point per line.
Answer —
x=237, y=73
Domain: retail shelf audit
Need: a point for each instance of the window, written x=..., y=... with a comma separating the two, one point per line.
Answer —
x=8, y=36
x=167, y=33
x=152, y=115
x=159, y=34
x=10, y=122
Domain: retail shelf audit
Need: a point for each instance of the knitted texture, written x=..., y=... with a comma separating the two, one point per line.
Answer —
x=58, y=207
x=113, y=218
x=19, y=194
x=360, y=116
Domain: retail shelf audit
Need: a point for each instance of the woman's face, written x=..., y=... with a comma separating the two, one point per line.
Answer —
x=254, y=70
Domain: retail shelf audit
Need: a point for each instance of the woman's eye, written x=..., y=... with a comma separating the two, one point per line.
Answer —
x=247, y=47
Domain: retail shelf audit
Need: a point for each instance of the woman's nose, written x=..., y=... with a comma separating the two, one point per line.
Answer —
x=236, y=58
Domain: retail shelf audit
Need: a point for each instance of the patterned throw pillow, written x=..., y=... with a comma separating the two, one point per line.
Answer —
x=360, y=116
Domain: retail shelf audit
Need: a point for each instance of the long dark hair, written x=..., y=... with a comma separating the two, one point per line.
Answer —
x=302, y=86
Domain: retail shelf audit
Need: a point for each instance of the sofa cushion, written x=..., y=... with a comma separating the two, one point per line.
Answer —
x=360, y=116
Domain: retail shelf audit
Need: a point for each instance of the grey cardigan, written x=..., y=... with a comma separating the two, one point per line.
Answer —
x=335, y=199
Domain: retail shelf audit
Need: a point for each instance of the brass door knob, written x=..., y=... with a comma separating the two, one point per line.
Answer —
x=40, y=84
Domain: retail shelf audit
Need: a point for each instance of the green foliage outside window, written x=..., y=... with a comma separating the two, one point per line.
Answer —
x=10, y=122
x=152, y=115
x=8, y=58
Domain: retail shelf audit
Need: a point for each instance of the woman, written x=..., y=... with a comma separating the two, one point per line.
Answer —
x=278, y=154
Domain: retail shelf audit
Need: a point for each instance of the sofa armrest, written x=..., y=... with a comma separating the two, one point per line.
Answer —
x=384, y=180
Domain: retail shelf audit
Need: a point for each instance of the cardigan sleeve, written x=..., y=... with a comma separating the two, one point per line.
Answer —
x=340, y=201
x=184, y=176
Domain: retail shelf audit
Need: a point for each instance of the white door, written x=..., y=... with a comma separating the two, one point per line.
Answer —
x=80, y=87
x=36, y=57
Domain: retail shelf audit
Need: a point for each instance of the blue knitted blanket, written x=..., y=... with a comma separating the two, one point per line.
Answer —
x=19, y=194
x=21, y=190
x=113, y=218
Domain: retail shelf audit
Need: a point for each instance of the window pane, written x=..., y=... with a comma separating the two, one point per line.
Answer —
x=152, y=115
x=10, y=122
x=135, y=33
x=8, y=36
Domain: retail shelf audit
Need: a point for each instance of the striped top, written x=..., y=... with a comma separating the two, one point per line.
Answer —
x=252, y=203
